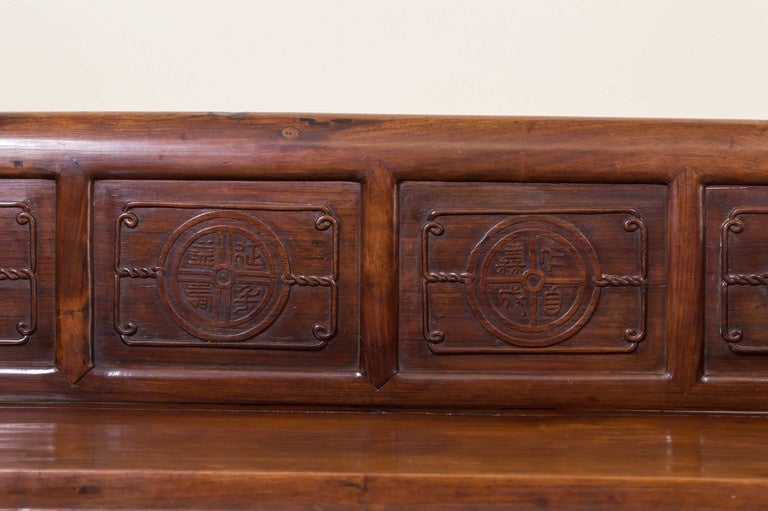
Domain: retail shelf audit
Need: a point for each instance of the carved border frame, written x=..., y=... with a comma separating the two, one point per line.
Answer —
x=322, y=332
x=733, y=336
x=25, y=328
x=632, y=335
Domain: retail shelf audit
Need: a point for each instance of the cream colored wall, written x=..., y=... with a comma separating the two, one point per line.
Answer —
x=527, y=57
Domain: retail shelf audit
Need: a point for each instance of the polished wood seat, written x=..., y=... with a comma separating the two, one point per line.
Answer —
x=117, y=456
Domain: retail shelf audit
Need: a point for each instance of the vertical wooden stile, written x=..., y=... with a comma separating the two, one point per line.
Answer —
x=379, y=296
x=685, y=278
x=73, y=271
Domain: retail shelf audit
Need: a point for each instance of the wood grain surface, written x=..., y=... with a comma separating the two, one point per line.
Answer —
x=128, y=457
x=430, y=263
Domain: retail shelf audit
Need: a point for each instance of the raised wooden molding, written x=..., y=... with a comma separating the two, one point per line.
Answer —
x=427, y=262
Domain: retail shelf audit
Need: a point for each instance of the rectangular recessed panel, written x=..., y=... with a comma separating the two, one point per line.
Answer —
x=227, y=273
x=737, y=281
x=26, y=271
x=532, y=277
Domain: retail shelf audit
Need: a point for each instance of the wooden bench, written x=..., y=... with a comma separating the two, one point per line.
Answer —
x=357, y=312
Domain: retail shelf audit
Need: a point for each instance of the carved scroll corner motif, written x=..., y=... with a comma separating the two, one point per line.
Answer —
x=25, y=327
x=734, y=336
x=533, y=281
x=224, y=276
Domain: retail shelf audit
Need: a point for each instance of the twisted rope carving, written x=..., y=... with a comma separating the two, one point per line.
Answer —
x=618, y=280
x=442, y=276
x=746, y=279
x=141, y=272
x=13, y=274
x=307, y=280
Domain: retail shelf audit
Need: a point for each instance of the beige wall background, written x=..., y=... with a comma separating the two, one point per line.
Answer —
x=646, y=58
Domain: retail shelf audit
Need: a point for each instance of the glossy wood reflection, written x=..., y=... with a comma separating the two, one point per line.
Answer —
x=91, y=457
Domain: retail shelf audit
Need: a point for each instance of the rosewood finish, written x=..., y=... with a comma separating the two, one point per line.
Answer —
x=384, y=262
x=75, y=456
x=190, y=289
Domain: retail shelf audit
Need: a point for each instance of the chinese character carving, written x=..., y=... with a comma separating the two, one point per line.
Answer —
x=513, y=306
x=224, y=276
x=532, y=281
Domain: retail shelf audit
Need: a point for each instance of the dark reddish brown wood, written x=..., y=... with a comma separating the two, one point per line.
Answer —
x=358, y=263
x=736, y=341
x=73, y=272
x=87, y=457
x=26, y=216
x=253, y=275
x=523, y=278
x=685, y=294
x=378, y=298
x=337, y=315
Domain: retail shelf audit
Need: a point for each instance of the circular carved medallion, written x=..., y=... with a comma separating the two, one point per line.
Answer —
x=221, y=278
x=533, y=281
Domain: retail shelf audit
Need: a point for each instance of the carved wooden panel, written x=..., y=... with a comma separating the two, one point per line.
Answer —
x=384, y=261
x=254, y=272
x=509, y=270
x=737, y=280
x=26, y=271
